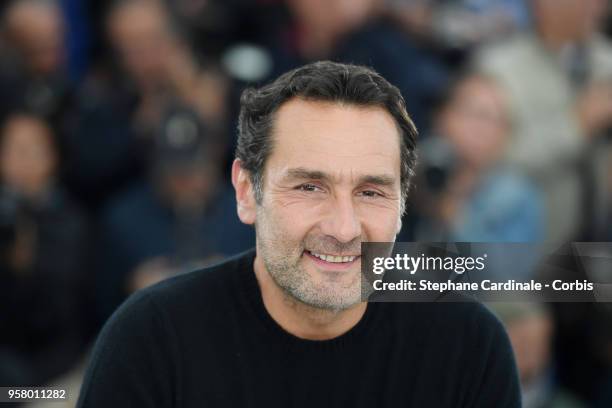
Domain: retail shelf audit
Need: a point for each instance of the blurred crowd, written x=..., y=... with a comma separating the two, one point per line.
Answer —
x=117, y=127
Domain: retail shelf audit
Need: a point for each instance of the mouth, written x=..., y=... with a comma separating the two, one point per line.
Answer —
x=333, y=261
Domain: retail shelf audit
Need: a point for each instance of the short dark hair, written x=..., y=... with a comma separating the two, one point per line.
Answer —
x=319, y=81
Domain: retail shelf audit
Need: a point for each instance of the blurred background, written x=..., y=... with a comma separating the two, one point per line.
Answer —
x=117, y=127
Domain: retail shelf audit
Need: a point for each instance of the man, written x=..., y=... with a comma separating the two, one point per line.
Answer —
x=324, y=159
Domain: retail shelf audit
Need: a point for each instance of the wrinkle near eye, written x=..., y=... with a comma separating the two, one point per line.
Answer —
x=289, y=196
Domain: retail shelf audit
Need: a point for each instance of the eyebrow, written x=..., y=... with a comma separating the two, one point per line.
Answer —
x=301, y=173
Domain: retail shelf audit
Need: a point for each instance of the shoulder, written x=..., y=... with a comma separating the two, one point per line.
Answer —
x=203, y=289
x=462, y=323
x=463, y=343
x=460, y=335
x=179, y=300
x=148, y=322
x=473, y=343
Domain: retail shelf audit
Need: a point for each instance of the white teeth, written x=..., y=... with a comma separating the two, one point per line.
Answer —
x=334, y=259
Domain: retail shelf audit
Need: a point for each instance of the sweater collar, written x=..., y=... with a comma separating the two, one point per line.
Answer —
x=253, y=301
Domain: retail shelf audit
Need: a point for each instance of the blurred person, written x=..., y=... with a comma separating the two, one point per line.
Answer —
x=321, y=24
x=184, y=215
x=158, y=61
x=217, y=25
x=119, y=109
x=33, y=71
x=559, y=82
x=599, y=228
x=531, y=331
x=583, y=330
x=324, y=162
x=466, y=192
x=364, y=32
x=43, y=278
x=608, y=222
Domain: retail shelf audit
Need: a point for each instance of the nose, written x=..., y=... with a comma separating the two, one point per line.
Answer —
x=342, y=221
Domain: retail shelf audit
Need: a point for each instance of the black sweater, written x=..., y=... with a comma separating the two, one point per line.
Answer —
x=205, y=339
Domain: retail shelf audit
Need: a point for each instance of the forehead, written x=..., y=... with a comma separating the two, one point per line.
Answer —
x=335, y=138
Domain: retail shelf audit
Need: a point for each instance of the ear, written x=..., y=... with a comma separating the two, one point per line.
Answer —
x=245, y=197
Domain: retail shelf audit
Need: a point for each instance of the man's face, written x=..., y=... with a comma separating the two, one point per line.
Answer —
x=331, y=182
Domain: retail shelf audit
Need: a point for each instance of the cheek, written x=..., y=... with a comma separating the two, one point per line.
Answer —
x=289, y=220
x=379, y=223
x=296, y=217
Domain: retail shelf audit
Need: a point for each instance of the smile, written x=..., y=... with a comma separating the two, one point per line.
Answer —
x=333, y=258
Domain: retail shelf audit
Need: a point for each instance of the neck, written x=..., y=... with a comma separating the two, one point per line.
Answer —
x=302, y=320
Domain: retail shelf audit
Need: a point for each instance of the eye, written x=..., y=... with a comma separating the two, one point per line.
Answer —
x=370, y=194
x=308, y=187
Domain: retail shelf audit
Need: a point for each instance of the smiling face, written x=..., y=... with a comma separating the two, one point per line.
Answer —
x=331, y=182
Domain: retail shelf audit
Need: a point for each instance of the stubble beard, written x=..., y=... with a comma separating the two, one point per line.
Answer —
x=283, y=261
